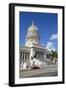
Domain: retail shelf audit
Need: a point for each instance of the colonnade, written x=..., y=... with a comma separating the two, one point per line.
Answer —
x=40, y=55
x=24, y=55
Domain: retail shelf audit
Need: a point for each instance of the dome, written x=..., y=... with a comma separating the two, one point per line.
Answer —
x=32, y=27
x=32, y=36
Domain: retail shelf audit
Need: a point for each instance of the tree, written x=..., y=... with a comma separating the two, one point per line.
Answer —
x=54, y=55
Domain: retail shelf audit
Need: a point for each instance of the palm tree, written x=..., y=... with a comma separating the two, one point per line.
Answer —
x=54, y=55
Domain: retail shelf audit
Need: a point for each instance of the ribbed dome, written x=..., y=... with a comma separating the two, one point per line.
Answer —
x=32, y=36
x=32, y=27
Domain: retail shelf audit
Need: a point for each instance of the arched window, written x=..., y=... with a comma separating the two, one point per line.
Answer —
x=32, y=32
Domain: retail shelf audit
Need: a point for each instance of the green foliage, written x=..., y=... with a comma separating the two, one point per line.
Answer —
x=54, y=54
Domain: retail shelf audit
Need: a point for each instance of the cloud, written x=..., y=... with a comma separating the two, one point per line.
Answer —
x=54, y=36
x=50, y=46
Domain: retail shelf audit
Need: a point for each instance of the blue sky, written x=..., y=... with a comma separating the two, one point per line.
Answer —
x=47, y=27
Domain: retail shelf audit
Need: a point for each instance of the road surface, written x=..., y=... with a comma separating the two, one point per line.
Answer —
x=47, y=71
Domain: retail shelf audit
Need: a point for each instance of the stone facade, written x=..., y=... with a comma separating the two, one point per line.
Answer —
x=33, y=53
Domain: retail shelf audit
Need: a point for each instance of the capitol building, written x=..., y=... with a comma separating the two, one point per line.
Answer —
x=33, y=54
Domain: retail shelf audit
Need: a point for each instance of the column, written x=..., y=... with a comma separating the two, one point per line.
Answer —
x=28, y=56
x=25, y=55
x=32, y=53
x=37, y=55
x=40, y=56
x=45, y=56
x=28, y=61
x=22, y=55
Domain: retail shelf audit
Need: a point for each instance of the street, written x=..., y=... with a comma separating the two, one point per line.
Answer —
x=47, y=71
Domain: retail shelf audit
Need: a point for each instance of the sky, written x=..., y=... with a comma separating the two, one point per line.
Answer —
x=47, y=27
